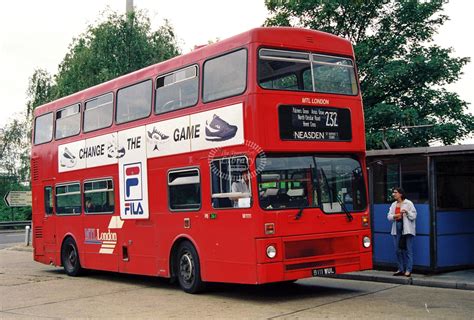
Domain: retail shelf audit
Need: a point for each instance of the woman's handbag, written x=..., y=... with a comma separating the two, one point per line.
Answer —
x=402, y=244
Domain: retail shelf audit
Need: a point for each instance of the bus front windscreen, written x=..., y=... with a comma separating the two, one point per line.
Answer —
x=303, y=71
x=333, y=183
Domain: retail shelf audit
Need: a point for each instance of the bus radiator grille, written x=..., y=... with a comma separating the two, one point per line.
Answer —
x=320, y=247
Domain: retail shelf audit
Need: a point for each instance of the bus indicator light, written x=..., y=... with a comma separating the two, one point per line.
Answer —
x=269, y=228
x=365, y=221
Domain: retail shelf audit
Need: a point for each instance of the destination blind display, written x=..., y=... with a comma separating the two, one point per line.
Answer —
x=314, y=123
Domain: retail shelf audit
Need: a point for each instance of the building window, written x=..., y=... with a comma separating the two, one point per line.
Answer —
x=386, y=176
x=99, y=196
x=415, y=179
x=134, y=102
x=177, y=90
x=225, y=76
x=98, y=112
x=68, y=121
x=230, y=182
x=184, y=189
x=455, y=183
x=68, y=199
x=44, y=128
x=48, y=200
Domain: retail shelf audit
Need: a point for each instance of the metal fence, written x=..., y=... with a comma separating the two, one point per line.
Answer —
x=11, y=224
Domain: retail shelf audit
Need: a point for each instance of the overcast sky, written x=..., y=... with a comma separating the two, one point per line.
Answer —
x=36, y=34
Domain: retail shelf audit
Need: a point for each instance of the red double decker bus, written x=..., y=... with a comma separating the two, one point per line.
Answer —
x=239, y=162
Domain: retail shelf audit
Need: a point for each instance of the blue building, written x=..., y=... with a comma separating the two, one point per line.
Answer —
x=440, y=182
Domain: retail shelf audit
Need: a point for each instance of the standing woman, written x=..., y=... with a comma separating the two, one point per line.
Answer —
x=402, y=214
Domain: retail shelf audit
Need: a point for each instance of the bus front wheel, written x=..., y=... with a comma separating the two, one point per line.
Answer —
x=188, y=269
x=70, y=258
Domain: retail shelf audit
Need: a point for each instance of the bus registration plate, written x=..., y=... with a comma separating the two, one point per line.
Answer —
x=324, y=271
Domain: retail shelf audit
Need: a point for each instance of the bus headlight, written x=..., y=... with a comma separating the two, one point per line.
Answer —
x=271, y=251
x=366, y=242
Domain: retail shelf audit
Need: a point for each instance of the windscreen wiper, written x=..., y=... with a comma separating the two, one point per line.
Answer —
x=300, y=213
x=341, y=203
x=343, y=206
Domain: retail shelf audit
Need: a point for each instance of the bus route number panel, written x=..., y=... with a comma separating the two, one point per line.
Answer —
x=304, y=123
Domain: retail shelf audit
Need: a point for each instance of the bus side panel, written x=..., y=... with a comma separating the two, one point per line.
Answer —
x=137, y=252
x=100, y=247
x=230, y=247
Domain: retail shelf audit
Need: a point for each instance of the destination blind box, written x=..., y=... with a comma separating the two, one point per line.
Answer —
x=304, y=123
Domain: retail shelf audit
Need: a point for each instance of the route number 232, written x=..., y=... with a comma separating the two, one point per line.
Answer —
x=331, y=119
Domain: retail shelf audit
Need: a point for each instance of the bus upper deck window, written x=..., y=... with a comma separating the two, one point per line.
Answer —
x=134, y=102
x=98, y=112
x=177, y=90
x=43, y=128
x=68, y=121
x=225, y=76
x=334, y=75
x=302, y=71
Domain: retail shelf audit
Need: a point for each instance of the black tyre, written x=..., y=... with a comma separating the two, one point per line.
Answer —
x=188, y=270
x=70, y=258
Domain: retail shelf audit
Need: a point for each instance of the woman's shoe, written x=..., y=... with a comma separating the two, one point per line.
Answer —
x=407, y=274
x=398, y=273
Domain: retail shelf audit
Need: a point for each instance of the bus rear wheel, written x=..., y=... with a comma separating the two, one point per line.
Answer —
x=188, y=269
x=70, y=258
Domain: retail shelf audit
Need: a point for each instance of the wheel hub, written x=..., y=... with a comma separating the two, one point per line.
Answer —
x=72, y=256
x=186, y=267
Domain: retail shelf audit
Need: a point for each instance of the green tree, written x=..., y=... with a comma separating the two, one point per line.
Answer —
x=14, y=165
x=119, y=45
x=401, y=70
x=41, y=89
x=14, y=149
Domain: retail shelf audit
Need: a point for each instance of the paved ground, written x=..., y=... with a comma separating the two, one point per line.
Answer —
x=31, y=290
x=454, y=280
x=9, y=237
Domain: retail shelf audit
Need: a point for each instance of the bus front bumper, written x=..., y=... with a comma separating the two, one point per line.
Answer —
x=306, y=256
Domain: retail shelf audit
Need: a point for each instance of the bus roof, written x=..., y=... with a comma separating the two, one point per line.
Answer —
x=278, y=37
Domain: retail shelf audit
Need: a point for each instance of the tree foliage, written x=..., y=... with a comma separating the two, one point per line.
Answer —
x=118, y=45
x=14, y=150
x=401, y=70
x=14, y=165
x=41, y=89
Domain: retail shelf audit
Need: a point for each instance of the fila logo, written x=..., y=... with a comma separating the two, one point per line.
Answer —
x=133, y=181
x=133, y=189
x=133, y=208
